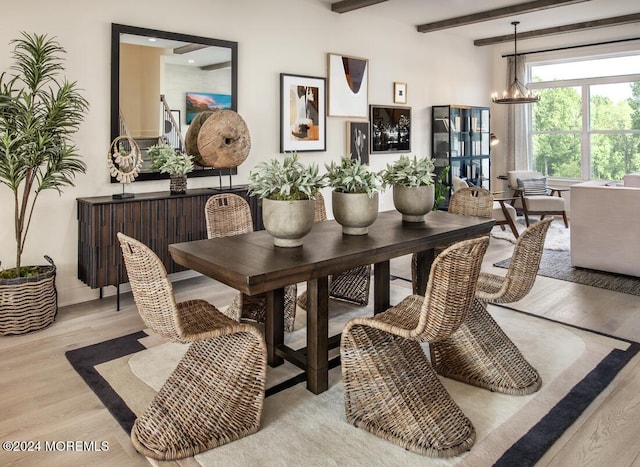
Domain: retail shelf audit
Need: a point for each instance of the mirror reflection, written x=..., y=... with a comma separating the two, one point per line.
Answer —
x=161, y=80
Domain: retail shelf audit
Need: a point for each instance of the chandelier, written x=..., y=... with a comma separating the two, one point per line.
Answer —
x=517, y=92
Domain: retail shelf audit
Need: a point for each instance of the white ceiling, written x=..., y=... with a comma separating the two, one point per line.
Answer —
x=416, y=12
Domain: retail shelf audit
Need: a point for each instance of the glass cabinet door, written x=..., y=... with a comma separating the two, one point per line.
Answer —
x=461, y=141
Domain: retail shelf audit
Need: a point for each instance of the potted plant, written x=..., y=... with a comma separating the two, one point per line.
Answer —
x=355, y=194
x=165, y=159
x=39, y=111
x=287, y=190
x=412, y=180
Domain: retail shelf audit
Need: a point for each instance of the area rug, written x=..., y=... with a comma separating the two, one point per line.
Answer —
x=557, y=265
x=558, y=236
x=299, y=428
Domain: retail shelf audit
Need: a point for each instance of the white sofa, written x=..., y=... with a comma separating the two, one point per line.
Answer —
x=605, y=227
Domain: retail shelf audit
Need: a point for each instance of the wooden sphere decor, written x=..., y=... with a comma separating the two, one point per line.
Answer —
x=223, y=140
x=191, y=138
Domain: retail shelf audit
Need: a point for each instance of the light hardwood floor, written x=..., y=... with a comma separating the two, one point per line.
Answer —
x=43, y=399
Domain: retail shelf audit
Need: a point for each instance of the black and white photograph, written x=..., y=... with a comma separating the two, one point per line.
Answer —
x=358, y=141
x=390, y=128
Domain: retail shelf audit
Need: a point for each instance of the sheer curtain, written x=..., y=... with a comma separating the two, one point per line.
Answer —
x=517, y=122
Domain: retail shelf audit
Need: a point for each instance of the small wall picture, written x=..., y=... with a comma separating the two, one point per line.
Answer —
x=400, y=93
x=358, y=141
x=302, y=113
x=202, y=101
x=390, y=128
x=348, y=86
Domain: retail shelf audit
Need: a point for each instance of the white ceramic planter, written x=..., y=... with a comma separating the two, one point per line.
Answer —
x=355, y=212
x=287, y=221
x=413, y=202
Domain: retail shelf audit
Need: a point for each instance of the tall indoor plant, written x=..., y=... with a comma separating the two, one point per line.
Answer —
x=412, y=182
x=39, y=112
x=354, y=198
x=287, y=190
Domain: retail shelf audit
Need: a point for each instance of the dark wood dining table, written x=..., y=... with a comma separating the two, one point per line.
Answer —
x=251, y=264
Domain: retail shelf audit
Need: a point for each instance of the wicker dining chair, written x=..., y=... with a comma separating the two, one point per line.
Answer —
x=390, y=388
x=466, y=201
x=480, y=353
x=352, y=285
x=229, y=214
x=216, y=393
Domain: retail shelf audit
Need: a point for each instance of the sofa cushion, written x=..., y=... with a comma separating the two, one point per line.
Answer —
x=545, y=203
x=632, y=180
x=533, y=186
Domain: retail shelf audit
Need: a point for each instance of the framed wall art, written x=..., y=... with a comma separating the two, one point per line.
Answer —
x=400, y=93
x=358, y=141
x=390, y=128
x=348, y=86
x=203, y=101
x=303, y=117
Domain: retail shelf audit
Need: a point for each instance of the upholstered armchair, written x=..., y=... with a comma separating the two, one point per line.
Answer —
x=533, y=196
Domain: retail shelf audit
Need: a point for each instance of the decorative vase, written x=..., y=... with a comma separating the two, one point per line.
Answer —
x=355, y=212
x=28, y=303
x=178, y=184
x=413, y=202
x=287, y=221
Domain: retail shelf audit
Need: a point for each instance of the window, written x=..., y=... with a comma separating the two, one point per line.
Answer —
x=587, y=123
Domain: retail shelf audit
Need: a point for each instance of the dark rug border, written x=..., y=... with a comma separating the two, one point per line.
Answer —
x=534, y=444
x=85, y=359
x=528, y=450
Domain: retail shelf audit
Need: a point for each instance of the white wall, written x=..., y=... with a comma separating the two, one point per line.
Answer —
x=290, y=36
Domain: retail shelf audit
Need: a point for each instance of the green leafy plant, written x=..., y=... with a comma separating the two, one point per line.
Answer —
x=177, y=163
x=39, y=112
x=352, y=176
x=409, y=172
x=287, y=180
x=440, y=188
x=165, y=159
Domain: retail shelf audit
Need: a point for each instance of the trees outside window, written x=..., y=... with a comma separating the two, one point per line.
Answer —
x=586, y=127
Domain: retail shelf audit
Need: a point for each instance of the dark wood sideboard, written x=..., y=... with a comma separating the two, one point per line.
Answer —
x=156, y=219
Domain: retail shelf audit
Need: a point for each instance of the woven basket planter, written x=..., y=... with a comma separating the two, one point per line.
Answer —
x=177, y=184
x=28, y=303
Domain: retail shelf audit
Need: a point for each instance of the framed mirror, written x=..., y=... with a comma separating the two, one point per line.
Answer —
x=160, y=80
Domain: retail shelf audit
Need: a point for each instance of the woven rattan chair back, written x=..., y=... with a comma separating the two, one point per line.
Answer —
x=227, y=214
x=472, y=201
x=469, y=201
x=151, y=288
x=451, y=288
x=523, y=268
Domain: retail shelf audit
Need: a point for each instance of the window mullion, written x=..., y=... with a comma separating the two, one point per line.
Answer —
x=585, y=146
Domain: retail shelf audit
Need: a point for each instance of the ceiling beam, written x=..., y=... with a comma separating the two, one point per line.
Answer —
x=490, y=15
x=216, y=66
x=185, y=49
x=600, y=23
x=350, y=5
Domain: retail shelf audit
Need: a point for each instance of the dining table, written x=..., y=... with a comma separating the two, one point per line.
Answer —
x=251, y=264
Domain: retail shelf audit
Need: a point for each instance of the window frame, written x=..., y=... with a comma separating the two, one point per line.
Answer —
x=585, y=85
